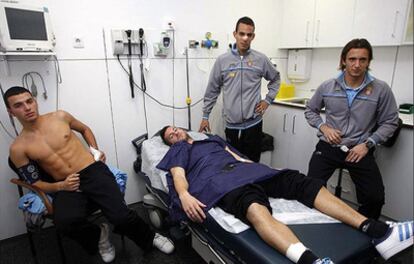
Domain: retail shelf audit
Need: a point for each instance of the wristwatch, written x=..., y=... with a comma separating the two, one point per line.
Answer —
x=369, y=144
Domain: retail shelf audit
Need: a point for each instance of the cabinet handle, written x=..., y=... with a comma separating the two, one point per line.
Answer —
x=395, y=23
x=284, y=122
x=307, y=32
x=318, y=23
x=293, y=126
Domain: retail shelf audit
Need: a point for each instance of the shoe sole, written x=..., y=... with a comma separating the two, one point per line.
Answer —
x=393, y=251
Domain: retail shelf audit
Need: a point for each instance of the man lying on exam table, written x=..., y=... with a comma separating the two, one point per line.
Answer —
x=210, y=172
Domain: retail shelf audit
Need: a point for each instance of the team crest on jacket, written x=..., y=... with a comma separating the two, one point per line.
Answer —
x=368, y=90
x=232, y=74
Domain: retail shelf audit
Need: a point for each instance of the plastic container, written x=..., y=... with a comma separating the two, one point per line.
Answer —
x=286, y=91
x=406, y=108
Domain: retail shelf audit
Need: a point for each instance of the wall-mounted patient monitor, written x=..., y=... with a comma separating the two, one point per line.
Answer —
x=25, y=29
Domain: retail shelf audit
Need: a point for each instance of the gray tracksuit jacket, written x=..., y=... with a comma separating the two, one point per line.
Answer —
x=240, y=79
x=373, y=114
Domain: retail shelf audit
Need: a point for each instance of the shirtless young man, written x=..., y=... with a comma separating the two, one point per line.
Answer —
x=80, y=181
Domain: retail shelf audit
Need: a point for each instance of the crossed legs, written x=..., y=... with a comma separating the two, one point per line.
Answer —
x=280, y=237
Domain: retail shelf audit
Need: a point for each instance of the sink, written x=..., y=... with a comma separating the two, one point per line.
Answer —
x=296, y=100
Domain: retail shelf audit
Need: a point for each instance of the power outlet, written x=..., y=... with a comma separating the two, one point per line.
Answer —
x=169, y=24
x=78, y=43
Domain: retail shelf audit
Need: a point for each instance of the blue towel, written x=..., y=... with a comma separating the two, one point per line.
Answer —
x=32, y=203
x=120, y=177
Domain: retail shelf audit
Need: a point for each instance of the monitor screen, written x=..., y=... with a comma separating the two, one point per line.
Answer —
x=26, y=24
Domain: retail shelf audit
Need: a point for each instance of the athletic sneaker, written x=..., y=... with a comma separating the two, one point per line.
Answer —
x=323, y=261
x=106, y=249
x=398, y=238
x=163, y=244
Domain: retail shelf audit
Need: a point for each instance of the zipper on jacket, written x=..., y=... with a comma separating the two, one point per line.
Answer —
x=350, y=106
x=241, y=89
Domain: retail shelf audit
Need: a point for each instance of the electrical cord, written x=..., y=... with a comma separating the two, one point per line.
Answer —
x=58, y=79
x=33, y=87
x=154, y=99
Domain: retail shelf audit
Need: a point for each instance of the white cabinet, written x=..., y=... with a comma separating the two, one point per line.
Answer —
x=316, y=23
x=396, y=166
x=297, y=23
x=408, y=31
x=332, y=23
x=381, y=22
x=294, y=139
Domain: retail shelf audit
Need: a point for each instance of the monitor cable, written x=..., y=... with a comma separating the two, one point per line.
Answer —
x=131, y=77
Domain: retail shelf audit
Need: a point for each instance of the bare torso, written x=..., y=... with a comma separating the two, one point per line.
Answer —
x=55, y=147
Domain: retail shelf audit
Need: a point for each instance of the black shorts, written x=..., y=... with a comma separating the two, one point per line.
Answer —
x=289, y=184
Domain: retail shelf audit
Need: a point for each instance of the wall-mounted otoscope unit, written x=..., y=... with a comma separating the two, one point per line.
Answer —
x=128, y=42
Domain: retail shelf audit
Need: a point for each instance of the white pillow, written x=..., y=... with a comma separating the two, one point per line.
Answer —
x=153, y=150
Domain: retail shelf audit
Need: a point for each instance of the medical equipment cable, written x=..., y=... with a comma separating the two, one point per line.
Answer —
x=188, y=99
x=33, y=88
x=141, y=66
x=110, y=97
x=131, y=77
x=153, y=98
x=58, y=79
x=10, y=118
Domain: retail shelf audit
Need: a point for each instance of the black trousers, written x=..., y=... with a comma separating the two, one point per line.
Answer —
x=99, y=190
x=247, y=141
x=365, y=174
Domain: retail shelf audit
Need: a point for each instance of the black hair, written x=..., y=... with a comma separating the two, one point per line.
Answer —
x=162, y=135
x=355, y=44
x=15, y=90
x=245, y=20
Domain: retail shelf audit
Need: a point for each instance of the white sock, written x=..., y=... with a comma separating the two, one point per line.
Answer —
x=295, y=251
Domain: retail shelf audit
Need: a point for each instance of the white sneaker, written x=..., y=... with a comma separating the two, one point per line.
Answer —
x=323, y=261
x=398, y=238
x=163, y=244
x=106, y=249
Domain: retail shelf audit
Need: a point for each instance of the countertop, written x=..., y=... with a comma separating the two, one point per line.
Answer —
x=406, y=118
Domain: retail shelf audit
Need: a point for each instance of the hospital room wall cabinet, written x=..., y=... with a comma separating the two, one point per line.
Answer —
x=294, y=139
x=322, y=23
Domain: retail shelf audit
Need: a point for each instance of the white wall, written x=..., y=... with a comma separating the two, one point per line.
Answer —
x=97, y=92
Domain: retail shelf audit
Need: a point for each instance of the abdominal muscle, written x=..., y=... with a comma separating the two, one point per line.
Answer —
x=69, y=159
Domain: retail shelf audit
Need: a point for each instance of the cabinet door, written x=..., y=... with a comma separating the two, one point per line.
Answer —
x=409, y=24
x=276, y=122
x=333, y=23
x=297, y=23
x=302, y=141
x=381, y=22
x=396, y=166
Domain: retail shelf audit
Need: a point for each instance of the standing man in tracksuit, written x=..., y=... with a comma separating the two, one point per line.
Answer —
x=361, y=113
x=239, y=73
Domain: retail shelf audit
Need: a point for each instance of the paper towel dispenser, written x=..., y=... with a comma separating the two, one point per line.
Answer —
x=299, y=65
